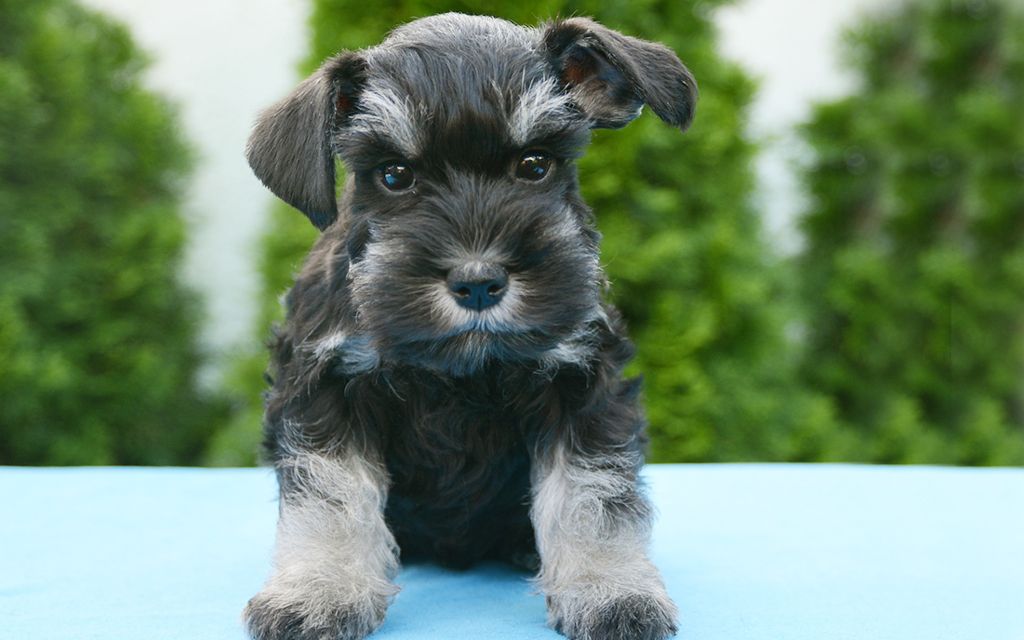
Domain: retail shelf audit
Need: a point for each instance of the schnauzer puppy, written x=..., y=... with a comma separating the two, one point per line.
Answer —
x=448, y=382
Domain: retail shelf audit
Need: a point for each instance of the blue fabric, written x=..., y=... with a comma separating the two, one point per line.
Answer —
x=748, y=551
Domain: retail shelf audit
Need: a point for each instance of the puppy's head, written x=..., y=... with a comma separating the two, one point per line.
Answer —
x=463, y=227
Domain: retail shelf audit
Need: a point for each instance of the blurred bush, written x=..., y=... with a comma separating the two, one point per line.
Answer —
x=703, y=297
x=909, y=340
x=97, y=336
x=913, y=273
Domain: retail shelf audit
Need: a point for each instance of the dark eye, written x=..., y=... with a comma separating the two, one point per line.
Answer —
x=534, y=166
x=396, y=176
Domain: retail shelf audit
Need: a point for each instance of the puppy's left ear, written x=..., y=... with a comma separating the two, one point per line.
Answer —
x=290, y=148
x=611, y=76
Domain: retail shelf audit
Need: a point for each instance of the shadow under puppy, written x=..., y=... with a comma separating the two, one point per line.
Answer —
x=448, y=381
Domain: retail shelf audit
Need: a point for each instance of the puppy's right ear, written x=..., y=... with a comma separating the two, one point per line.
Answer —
x=290, y=148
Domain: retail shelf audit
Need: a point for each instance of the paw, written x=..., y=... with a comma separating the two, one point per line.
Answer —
x=636, y=617
x=268, y=617
x=630, y=617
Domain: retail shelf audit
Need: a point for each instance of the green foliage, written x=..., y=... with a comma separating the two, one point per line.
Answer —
x=97, y=336
x=682, y=246
x=914, y=265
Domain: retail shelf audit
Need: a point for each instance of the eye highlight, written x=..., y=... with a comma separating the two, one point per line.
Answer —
x=396, y=176
x=534, y=166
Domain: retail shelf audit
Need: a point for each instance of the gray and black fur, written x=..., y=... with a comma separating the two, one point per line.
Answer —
x=404, y=419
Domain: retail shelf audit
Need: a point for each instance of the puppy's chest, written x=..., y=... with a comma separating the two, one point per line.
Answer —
x=458, y=462
x=451, y=448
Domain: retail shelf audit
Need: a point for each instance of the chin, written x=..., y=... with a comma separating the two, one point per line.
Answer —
x=473, y=350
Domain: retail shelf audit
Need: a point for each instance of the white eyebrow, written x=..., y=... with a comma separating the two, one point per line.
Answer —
x=384, y=112
x=540, y=107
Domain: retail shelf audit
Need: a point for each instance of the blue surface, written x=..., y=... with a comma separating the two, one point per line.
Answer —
x=748, y=551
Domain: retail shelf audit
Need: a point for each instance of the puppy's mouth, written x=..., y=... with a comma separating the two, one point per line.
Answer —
x=434, y=331
x=464, y=339
x=503, y=317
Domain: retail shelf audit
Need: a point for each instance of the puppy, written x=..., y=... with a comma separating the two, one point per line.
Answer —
x=448, y=382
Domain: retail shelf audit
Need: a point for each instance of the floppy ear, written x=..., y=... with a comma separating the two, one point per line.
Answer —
x=290, y=147
x=611, y=76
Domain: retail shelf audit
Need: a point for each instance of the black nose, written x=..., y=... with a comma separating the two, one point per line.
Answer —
x=477, y=286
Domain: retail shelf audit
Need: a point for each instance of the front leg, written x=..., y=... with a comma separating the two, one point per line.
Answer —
x=335, y=558
x=592, y=524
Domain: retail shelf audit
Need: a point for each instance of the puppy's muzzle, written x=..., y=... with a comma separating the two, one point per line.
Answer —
x=478, y=286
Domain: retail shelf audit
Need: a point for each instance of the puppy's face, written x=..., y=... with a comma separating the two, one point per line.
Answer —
x=464, y=231
x=467, y=240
